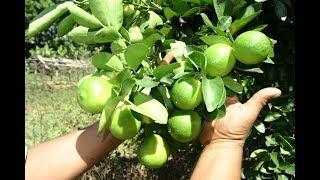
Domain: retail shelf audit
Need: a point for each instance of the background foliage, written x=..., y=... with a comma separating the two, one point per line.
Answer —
x=270, y=149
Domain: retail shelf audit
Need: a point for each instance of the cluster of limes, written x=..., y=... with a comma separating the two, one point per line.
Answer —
x=184, y=124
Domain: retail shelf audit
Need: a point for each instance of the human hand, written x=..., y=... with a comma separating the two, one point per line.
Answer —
x=237, y=123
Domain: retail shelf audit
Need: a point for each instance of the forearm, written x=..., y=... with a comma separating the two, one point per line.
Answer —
x=220, y=160
x=68, y=156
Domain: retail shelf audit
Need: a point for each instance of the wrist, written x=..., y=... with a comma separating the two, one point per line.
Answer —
x=106, y=141
x=226, y=143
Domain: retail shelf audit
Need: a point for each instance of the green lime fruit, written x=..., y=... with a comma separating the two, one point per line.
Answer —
x=220, y=60
x=93, y=93
x=128, y=10
x=184, y=126
x=186, y=93
x=122, y=124
x=153, y=151
x=252, y=47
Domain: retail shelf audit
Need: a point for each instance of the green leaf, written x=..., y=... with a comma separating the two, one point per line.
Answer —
x=282, y=177
x=178, y=49
x=224, y=23
x=44, y=12
x=258, y=152
x=198, y=2
x=169, y=13
x=191, y=12
x=274, y=158
x=99, y=9
x=285, y=144
x=135, y=34
x=166, y=97
x=208, y=23
x=124, y=33
x=65, y=25
x=167, y=79
x=232, y=84
x=106, y=34
x=214, y=39
x=260, y=27
x=84, y=18
x=259, y=126
x=222, y=8
x=200, y=59
x=152, y=39
x=48, y=17
x=280, y=9
x=126, y=87
x=253, y=70
x=191, y=48
x=206, y=20
x=147, y=82
x=217, y=114
x=268, y=61
x=118, y=46
x=153, y=21
x=213, y=91
x=163, y=70
x=251, y=9
x=165, y=29
x=150, y=107
x=120, y=77
x=284, y=152
x=239, y=5
x=82, y=34
x=240, y=23
x=111, y=104
x=107, y=61
x=135, y=53
x=180, y=6
x=288, y=168
x=272, y=116
x=270, y=141
x=114, y=13
x=223, y=98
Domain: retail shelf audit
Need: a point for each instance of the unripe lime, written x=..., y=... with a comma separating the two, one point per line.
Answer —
x=128, y=10
x=252, y=47
x=220, y=60
x=122, y=124
x=186, y=93
x=153, y=152
x=184, y=126
x=93, y=93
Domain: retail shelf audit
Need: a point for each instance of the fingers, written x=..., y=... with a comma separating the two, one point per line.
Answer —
x=260, y=99
x=167, y=58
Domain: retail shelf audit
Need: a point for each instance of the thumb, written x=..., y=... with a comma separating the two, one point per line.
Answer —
x=260, y=99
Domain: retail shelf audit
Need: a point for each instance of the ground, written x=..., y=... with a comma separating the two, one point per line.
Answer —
x=51, y=110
